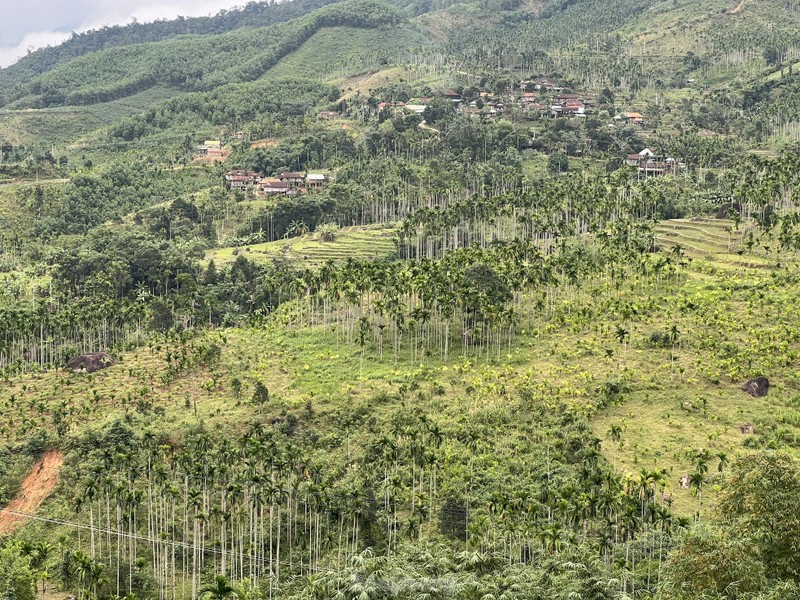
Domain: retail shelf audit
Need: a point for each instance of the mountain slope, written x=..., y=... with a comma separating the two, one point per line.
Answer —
x=251, y=16
x=194, y=62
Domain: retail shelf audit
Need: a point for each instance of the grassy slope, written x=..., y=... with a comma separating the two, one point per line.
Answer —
x=714, y=28
x=63, y=125
x=303, y=364
x=337, y=52
x=675, y=27
x=355, y=242
x=561, y=362
x=678, y=408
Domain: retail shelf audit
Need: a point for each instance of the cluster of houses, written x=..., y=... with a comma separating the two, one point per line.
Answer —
x=289, y=183
x=418, y=105
x=542, y=95
x=562, y=105
x=547, y=97
x=547, y=85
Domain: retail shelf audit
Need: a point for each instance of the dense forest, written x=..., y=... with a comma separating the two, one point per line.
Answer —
x=367, y=300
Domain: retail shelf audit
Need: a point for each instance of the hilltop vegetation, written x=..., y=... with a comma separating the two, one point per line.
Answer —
x=404, y=300
x=195, y=63
x=16, y=77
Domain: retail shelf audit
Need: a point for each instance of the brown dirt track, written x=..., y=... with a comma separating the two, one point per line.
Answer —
x=36, y=488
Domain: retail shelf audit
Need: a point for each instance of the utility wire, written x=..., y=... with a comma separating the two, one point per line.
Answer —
x=135, y=536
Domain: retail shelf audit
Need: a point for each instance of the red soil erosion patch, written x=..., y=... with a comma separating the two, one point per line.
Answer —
x=265, y=143
x=36, y=488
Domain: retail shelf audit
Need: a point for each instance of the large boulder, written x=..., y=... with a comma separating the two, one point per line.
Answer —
x=91, y=362
x=757, y=387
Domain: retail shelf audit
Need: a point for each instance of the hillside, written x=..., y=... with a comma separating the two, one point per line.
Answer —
x=254, y=15
x=368, y=300
x=193, y=62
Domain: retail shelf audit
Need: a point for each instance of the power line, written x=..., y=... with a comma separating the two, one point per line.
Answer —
x=121, y=534
x=143, y=538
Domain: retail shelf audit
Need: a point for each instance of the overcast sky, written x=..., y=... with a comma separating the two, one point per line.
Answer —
x=34, y=23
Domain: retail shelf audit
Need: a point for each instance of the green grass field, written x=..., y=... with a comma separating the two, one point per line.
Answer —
x=351, y=242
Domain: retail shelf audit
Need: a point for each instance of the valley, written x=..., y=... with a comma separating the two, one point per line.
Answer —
x=404, y=300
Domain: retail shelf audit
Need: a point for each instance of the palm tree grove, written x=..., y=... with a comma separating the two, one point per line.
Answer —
x=400, y=300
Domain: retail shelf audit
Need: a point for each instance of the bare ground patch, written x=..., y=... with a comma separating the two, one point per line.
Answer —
x=36, y=488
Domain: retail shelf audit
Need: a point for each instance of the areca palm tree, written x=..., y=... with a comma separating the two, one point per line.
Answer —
x=219, y=589
x=96, y=577
x=41, y=552
x=622, y=336
x=81, y=565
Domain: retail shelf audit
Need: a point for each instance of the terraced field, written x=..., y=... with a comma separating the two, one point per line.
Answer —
x=700, y=236
x=714, y=241
x=365, y=242
x=717, y=242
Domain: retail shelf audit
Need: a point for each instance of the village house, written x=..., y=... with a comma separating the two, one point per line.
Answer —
x=633, y=117
x=211, y=149
x=570, y=108
x=239, y=179
x=528, y=98
x=495, y=109
x=633, y=160
x=209, y=145
x=530, y=101
x=452, y=95
x=648, y=164
x=292, y=179
x=418, y=105
x=472, y=110
x=488, y=111
x=568, y=105
x=273, y=186
x=315, y=181
x=327, y=115
x=397, y=104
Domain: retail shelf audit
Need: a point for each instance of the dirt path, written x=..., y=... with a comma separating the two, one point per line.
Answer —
x=32, y=181
x=739, y=7
x=38, y=485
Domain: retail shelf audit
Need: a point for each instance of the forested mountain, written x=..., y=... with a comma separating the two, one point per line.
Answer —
x=253, y=15
x=195, y=62
x=388, y=300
